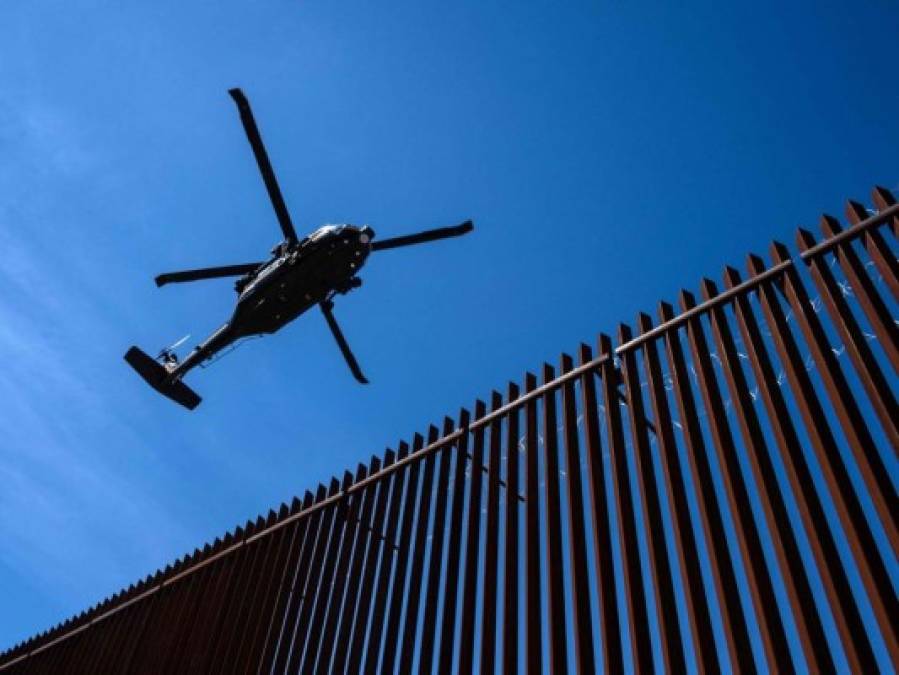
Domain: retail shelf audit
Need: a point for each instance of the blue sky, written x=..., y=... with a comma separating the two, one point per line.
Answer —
x=609, y=153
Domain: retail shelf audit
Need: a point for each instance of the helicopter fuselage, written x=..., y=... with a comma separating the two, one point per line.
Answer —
x=298, y=277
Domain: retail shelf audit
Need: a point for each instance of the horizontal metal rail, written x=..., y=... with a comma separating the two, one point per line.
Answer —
x=828, y=244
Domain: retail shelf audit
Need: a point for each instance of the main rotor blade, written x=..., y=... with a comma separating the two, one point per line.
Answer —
x=326, y=307
x=265, y=166
x=206, y=273
x=424, y=237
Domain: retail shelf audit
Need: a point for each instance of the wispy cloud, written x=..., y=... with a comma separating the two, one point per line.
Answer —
x=70, y=505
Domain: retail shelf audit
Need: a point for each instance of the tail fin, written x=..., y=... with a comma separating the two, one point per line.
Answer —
x=156, y=376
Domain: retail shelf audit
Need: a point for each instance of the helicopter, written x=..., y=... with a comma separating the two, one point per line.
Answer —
x=300, y=274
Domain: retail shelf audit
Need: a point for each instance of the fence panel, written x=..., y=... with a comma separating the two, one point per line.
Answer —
x=716, y=492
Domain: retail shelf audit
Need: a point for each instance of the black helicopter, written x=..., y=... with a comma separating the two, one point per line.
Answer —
x=301, y=273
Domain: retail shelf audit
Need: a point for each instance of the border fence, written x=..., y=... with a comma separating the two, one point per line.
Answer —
x=711, y=491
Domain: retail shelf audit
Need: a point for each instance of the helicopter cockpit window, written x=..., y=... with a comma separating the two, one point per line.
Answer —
x=326, y=229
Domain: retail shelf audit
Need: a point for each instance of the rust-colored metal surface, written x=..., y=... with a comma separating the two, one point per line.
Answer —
x=712, y=493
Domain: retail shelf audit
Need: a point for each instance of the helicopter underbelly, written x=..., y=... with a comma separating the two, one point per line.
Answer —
x=289, y=291
x=268, y=309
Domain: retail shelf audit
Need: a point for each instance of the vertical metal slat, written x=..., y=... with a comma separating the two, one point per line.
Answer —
x=453, y=553
x=472, y=549
x=873, y=241
x=340, y=529
x=340, y=651
x=663, y=583
x=388, y=558
x=641, y=643
x=558, y=640
x=864, y=289
x=858, y=648
x=283, y=593
x=489, y=588
x=760, y=584
x=870, y=373
x=429, y=622
x=297, y=591
x=584, y=657
x=416, y=578
x=534, y=644
x=786, y=548
x=360, y=625
x=511, y=621
x=612, y=658
x=403, y=555
x=735, y=627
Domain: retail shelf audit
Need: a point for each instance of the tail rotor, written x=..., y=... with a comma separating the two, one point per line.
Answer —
x=167, y=355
